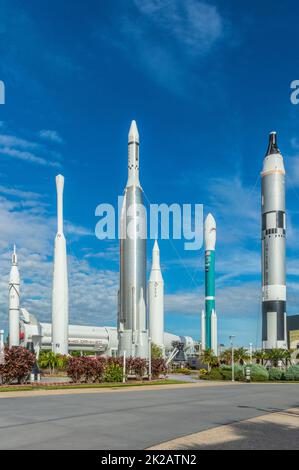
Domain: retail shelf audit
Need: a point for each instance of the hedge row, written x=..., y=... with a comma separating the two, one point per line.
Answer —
x=258, y=373
x=99, y=369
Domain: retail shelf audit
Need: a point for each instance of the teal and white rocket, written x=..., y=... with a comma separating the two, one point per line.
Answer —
x=209, y=317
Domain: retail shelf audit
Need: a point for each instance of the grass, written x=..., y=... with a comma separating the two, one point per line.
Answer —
x=25, y=388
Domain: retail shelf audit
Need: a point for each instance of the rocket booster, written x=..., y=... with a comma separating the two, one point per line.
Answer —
x=14, y=302
x=210, y=317
x=273, y=248
x=132, y=324
x=60, y=281
x=156, y=300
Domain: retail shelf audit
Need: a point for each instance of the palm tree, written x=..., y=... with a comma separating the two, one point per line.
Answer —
x=208, y=357
x=287, y=356
x=241, y=355
x=260, y=357
x=48, y=359
x=275, y=355
x=226, y=356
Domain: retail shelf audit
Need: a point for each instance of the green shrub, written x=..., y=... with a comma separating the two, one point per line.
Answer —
x=61, y=362
x=225, y=367
x=156, y=351
x=275, y=374
x=113, y=373
x=292, y=373
x=226, y=372
x=182, y=370
x=215, y=374
x=258, y=373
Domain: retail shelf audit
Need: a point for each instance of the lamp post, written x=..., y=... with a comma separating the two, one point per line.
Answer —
x=124, y=367
x=231, y=338
x=149, y=358
x=2, y=347
x=250, y=352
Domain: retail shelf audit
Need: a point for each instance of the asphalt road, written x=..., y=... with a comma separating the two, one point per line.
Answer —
x=133, y=419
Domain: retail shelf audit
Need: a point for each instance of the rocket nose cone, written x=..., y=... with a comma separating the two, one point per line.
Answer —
x=210, y=232
x=59, y=184
x=210, y=222
x=59, y=181
x=133, y=132
x=272, y=147
x=156, y=246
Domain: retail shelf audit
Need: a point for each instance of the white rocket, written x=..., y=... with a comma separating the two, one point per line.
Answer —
x=274, y=318
x=14, y=302
x=156, y=300
x=208, y=316
x=132, y=324
x=60, y=312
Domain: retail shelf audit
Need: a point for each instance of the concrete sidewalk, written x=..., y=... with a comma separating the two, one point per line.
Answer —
x=271, y=431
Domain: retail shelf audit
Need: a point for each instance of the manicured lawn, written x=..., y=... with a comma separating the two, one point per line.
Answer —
x=22, y=388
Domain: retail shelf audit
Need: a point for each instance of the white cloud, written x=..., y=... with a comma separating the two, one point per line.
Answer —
x=26, y=156
x=292, y=170
x=167, y=38
x=13, y=146
x=14, y=141
x=51, y=135
x=19, y=193
x=232, y=301
x=193, y=24
x=110, y=253
x=295, y=143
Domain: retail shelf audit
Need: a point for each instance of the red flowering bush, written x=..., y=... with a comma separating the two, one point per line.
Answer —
x=139, y=367
x=99, y=366
x=86, y=369
x=136, y=366
x=158, y=367
x=17, y=366
x=98, y=369
x=130, y=361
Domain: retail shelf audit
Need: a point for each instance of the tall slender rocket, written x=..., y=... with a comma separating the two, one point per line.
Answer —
x=273, y=248
x=60, y=312
x=156, y=300
x=132, y=324
x=209, y=317
x=14, y=302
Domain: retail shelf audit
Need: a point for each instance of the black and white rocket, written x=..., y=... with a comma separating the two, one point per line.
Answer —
x=273, y=248
x=132, y=322
x=60, y=314
x=14, y=301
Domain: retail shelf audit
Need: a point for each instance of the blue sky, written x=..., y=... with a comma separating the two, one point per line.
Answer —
x=206, y=82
